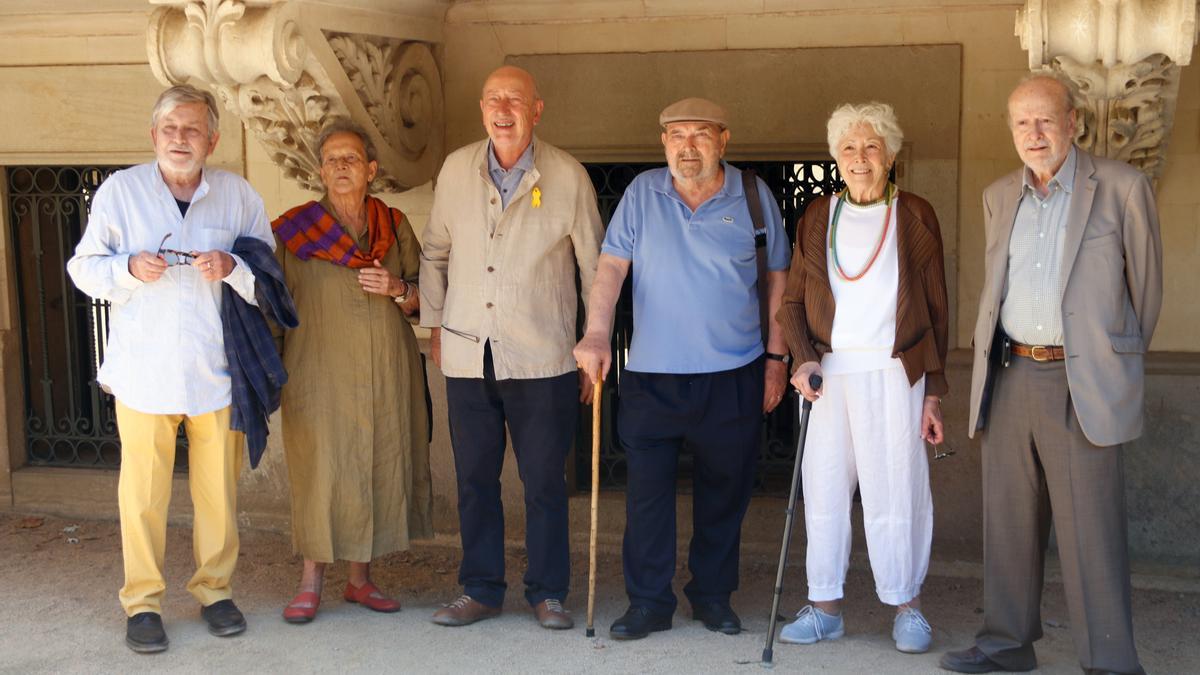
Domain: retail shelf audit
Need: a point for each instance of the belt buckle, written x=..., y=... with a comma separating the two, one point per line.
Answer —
x=1044, y=356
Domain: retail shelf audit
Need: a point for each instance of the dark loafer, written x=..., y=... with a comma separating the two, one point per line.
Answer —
x=224, y=618
x=971, y=660
x=637, y=623
x=144, y=633
x=717, y=617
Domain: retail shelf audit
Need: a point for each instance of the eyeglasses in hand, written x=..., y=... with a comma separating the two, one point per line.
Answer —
x=173, y=257
x=942, y=451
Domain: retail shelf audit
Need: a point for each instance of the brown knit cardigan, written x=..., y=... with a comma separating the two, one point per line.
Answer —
x=922, y=313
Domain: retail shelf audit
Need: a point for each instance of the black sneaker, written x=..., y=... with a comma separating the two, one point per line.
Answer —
x=144, y=633
x=224, y=618
x=639, y=622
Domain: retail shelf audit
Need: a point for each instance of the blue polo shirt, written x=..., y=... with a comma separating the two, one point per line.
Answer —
x=695, y=303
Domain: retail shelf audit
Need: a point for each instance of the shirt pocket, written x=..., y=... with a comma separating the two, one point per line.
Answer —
x=216, y=237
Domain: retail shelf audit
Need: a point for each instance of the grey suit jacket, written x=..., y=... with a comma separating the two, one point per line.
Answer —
x=1112, y=263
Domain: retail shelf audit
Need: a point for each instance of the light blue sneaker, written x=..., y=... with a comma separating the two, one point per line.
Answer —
x=812, y=625
x=911, y=631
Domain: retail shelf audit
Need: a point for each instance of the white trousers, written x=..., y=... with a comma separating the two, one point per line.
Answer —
x=865, y=430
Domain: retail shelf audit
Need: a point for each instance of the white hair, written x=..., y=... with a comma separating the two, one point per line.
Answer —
x=879, y=116
x=182, y=94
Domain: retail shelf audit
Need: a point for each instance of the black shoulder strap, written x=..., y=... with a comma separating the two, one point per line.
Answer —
x=750, y=187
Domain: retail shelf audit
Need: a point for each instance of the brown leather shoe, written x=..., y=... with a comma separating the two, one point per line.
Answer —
x=550, y=614
x=463, y=612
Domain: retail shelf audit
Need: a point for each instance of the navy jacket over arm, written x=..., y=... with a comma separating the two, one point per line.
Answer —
x=255, y=368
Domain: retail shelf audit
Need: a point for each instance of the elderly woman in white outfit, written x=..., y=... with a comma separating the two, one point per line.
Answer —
x=865, y=307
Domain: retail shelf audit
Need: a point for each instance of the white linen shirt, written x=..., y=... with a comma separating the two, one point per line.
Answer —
x=165, y=351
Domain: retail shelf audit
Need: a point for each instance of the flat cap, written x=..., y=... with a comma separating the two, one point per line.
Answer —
x=694, y=110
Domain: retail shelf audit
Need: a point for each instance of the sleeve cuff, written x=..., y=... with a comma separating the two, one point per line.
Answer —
x=936, y=384
x=616, y=253
x=241, y=280
x=121, y=275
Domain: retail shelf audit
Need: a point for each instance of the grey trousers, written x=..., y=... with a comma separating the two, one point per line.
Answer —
x=1038, y=464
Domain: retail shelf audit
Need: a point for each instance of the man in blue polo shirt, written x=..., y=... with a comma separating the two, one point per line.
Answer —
x=697, y=371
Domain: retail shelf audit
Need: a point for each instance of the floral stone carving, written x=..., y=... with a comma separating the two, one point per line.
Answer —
x=284, y=69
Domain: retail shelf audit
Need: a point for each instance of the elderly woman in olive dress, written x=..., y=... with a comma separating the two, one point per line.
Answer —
x=355, y=430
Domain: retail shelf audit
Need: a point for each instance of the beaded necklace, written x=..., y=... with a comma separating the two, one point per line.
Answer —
x=842, y=196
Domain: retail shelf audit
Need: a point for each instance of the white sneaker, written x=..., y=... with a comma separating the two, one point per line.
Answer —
x=911, y=631
x=812, y=625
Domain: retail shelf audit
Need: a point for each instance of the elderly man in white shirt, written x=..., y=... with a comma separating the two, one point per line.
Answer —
x=157, y=248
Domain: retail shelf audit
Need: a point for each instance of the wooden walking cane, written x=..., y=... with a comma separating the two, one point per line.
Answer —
x=598, y=387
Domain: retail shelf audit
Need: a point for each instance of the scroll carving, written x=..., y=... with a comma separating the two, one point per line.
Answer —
x=285, y=80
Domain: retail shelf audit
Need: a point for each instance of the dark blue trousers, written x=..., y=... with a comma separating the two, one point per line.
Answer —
x=541, y=416
x=719, y=415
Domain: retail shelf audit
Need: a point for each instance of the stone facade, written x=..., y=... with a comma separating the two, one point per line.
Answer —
x=77, y=83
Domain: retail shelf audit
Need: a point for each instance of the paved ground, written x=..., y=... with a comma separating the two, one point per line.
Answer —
x=60, y=614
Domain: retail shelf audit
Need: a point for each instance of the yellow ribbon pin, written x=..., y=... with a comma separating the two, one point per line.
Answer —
x=536, y=200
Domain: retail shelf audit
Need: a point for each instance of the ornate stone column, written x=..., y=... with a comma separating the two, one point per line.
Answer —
x=1125, y=55
x=286, y=66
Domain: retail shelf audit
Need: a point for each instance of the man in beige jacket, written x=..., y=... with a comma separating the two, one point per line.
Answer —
x=512, y=219
x=1072, y=291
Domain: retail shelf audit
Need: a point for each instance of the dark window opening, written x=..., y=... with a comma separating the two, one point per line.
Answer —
x=69, y=419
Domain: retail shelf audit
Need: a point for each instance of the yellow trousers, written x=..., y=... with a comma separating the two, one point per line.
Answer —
x=144, y=493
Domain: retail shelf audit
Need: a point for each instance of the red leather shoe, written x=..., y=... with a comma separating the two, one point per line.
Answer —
x=302, y=608
x=368, y=595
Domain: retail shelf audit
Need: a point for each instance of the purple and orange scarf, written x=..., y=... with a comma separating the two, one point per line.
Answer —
x=309, y=231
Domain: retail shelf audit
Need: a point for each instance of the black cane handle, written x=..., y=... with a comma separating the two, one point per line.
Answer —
x=815, y=382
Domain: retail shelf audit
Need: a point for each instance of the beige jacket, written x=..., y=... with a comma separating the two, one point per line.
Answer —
x=508, y=275
x=1112, y=264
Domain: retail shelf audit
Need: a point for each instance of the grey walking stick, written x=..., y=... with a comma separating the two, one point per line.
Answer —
x=814, y=381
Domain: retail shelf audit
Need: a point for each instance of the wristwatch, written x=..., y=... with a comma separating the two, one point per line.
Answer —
x=782, y=358
x=403, y=297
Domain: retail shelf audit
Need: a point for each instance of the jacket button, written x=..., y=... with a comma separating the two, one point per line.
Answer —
x=492, y=200
x=489, y=305
x=491, y=269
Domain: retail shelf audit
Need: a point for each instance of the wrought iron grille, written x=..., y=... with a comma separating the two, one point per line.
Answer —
x=794, y=184
x=69, y=419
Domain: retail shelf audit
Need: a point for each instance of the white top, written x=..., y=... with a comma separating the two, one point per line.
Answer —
x=165, y=352
x=864, y=321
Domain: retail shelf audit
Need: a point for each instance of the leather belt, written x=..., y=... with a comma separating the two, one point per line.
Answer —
x=1039, y=353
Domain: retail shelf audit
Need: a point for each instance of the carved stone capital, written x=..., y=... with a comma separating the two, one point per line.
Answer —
x=1125, y=56
x=286, y=66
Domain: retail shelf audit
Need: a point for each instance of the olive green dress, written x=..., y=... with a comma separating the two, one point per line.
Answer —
x=355, y=431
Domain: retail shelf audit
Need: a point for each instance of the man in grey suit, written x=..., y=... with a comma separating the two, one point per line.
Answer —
x=1072, y=291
